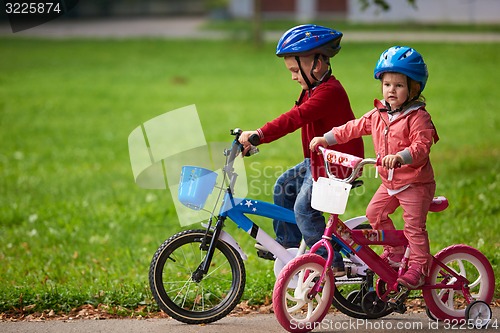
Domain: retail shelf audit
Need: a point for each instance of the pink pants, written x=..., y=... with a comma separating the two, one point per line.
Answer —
x=415, y=201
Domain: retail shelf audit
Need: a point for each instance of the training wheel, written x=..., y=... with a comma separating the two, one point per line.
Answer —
x=354, y=297
x=478, y=313
x=372, y=305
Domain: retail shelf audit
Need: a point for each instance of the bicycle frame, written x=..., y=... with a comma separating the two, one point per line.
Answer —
x=237, y=209
x=359, y=241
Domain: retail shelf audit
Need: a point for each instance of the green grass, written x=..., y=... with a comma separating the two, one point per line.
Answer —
x=75, y=228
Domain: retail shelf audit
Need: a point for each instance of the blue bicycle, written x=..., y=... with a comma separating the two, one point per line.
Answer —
x=198, y=276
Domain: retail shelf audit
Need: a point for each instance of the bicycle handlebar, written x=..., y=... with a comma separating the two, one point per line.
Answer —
x=254, y=139
x=347, y=160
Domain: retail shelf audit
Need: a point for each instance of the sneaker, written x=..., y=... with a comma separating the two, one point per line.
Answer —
x=338, y=271
x=412, y=279
x=393, y=259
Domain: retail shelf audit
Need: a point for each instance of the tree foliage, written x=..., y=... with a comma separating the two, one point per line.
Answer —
x=382, y=4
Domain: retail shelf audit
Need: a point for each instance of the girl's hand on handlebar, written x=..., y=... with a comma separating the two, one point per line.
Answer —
x=317, y=141
x=392, y=161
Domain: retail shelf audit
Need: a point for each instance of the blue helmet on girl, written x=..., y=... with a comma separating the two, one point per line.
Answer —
x=404, y=60
x=309, y=39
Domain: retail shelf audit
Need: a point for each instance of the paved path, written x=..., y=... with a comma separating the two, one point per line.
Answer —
x=184, y=28
x=263, y=323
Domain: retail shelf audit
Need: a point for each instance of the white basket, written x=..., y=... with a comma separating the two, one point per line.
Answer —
x=330, y=195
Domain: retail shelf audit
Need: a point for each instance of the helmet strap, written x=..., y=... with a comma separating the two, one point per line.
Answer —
x=315, y=63
x=325, y=75
x=317, y=82
x=304, y=76
x=391, y=111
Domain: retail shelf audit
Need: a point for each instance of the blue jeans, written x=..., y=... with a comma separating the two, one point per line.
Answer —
x=293, y=191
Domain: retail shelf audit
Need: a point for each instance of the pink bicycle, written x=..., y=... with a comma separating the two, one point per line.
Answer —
x=459, y=288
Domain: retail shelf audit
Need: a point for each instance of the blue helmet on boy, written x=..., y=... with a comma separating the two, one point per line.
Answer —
x=404, y=60
x=309, y=39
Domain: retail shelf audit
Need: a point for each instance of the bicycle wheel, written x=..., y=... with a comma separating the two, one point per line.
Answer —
x=478, y=313
x=206, y=301
x=292, y=307
x=447, y=303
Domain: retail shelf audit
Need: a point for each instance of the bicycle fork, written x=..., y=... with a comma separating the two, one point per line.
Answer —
x=326, y=242
x=203, y=267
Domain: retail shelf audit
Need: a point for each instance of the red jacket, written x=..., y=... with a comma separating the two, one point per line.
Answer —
x=411, y=134
x=326, y=106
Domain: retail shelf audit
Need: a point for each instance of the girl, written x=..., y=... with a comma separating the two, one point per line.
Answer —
x=402, y=133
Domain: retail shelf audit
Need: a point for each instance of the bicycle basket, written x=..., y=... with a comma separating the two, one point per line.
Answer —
x=330, y=195
x=195, y=186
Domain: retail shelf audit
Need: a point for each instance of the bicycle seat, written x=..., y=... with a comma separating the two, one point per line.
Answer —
x=438, y=204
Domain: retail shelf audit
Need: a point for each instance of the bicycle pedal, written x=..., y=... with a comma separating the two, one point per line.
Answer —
x=400, y=296
x=398, y=307
x=265, y=255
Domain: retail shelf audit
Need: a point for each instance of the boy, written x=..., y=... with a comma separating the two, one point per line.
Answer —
x=323, y=104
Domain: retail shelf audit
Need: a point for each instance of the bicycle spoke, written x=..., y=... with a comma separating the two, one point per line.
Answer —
x=451, y=300
x=297, y=307
x=461, y=266
x=476, y=283
x=310, y=309
x=202, y=299
x=185, y=295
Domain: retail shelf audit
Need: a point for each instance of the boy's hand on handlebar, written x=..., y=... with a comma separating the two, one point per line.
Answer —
x=316, y=142
x=244, y=136
x=392, y=161
x=243, y=139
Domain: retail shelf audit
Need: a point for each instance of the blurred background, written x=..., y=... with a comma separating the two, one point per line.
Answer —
x=75, y=229
x=428, y=11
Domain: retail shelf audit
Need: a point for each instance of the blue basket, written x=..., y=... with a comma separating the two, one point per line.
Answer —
x=195, y=187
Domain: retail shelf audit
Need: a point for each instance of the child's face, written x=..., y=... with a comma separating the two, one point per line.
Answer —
x=395, y=89
x=293, y=67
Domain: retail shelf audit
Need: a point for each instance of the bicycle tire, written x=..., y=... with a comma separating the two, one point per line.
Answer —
x=288, y=304
x=185, y=300
x=449, y=304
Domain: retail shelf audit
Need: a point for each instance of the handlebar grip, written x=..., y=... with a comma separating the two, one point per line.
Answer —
x=254, y=139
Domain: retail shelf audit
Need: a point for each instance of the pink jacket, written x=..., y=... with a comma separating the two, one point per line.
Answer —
x=411, y=135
